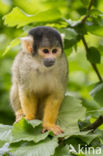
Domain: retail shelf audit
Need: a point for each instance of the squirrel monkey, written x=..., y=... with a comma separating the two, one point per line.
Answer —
x=39, y=77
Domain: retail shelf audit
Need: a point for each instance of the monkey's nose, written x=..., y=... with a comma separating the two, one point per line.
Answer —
x=49, y=62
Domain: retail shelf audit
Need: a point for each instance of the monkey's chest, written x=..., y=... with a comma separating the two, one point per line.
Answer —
x=41, y=83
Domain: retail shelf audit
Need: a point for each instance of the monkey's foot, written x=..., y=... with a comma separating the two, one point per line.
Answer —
x=19, y=115
x=56, y=129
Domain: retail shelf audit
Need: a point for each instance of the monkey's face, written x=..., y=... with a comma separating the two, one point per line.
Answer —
x=45, y=44
x=49, y=55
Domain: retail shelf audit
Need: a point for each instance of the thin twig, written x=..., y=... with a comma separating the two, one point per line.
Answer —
x=89, y=7
x=93, y=65
x=86, y=46
x=95, y=125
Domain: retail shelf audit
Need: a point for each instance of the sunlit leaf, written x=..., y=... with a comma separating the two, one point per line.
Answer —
x=23, y=19
x=12, y=44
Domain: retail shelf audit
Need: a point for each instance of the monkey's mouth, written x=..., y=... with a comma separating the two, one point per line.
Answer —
x=49, y=62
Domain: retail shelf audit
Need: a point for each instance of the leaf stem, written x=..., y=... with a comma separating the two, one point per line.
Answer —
x=93, y=65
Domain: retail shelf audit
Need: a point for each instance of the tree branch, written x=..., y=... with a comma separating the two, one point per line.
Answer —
x=95, y=125
x=93, y=65
x=89, y=7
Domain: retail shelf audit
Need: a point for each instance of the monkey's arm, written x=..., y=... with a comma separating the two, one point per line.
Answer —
x=51, y=110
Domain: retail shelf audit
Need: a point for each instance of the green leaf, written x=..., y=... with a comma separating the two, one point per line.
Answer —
x=23, y=19
x=30, y=7
x=97, y=93
x=69, y=115
x=95, y=26
x=95, y=12
x=70, y=43
x=43, y=148
x=34, y=123
x=12, y=44
x=5, y=133
x=4, y=149
x=85, y=137
x=28, y=131
x=93, y=55
x=69, y=33
x=62, y=151
x=93, y=108
x=72, y=23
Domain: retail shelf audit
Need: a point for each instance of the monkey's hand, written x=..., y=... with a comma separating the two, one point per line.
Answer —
x=55, y=128
x=19, y=115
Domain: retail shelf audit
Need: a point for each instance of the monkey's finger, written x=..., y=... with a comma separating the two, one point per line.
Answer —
x=56, y=130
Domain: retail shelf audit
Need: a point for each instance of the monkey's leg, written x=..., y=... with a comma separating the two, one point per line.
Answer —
x=51, y=110
x=28, y=104
x=15, y=102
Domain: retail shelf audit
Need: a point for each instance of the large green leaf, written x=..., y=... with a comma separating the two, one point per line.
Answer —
x=93, y=55
x=71, y=111
x=34, y=6
x=5, y=133
x=19, y=18
x=30, y=6
x=44, y=148
x=97, y=93
x=28, y=131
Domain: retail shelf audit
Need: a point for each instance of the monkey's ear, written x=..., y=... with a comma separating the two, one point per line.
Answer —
x=27, y=43
x=62, y=37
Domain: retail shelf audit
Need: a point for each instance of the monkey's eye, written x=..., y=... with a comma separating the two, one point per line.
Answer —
x=45, y=51
x=54, y=51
